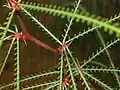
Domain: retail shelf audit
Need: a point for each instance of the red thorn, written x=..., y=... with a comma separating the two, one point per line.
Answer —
x=64, y=45
x=14, y=5
x=21, y=36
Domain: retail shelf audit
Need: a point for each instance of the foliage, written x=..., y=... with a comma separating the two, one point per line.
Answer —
x=70, y=73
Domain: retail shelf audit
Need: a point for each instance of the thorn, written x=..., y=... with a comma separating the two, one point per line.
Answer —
x=25, y=42
x=64, y=45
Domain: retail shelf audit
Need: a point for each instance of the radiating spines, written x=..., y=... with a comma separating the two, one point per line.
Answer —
x=83, y=17
x=102, y=69
x=39, y=75
x=92, y=19
x=50, y=9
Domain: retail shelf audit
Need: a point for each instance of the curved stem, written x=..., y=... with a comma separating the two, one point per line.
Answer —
x=30, y=37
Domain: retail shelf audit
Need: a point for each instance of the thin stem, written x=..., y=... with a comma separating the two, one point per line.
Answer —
x=71, y=73
x=51, y=86
x=17, y=64
x=58, y=41
x=98, y=81
x=108, y=54
x=30, y=78
x=6, y=58
x=61, y=72
x=40, y=85
x=6, y=28
x=101, y=51
x=79, y=70
x=68, y=29
x=90, y=30
x=11, y=31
